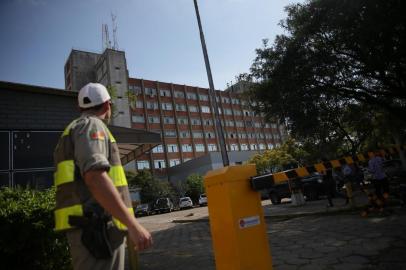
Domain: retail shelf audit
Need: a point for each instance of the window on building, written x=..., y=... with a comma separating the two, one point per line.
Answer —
x=267, y=125
x=244, y=147
x=166, y=106
x=225, y=100
x=159, y=164
x=211, y=147
x=139, y=104
x=182, y=121
x=237, y=112
x=169, y=120
x=150, y=91
x=170, y=133
x=232, y=135
x=199, y=147
x=273, y=125
x=262, y=146
x=197, y=134
x=195, y=121
x=186, y=148
x=172, y=148
x=180, y=107
x=205, y=109
x=138, y=118
x=257, y=125
x=246, y=112
x=239, y=124
x=234, y=147
x=193, y=108
x=173, y=162
x=184, y=134
x=179, y=94
x=190, y=95
x=253, y=146
x=164, y=93
x=228, y=111
x=158, y=149
x=152, y=105
x=270, y=146
x=203, y=97
x=153, y=120
x=235, y=101
x=248, y=123
x=135, y=89
x=208, y=122
x=210, y=134
x=242, y=135
x=142, y=164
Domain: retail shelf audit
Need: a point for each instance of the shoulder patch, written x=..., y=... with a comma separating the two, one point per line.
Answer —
x=97, y=135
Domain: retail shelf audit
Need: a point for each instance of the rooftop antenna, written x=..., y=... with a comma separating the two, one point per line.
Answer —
x=114, y=25
x=106, y=39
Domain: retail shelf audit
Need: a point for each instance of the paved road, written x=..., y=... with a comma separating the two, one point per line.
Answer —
x=344, y=241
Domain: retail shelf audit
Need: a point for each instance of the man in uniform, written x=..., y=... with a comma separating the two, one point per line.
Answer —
x=93, y=204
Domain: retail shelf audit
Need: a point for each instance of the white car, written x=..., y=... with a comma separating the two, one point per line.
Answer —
x=185, y=202
x=202, y=199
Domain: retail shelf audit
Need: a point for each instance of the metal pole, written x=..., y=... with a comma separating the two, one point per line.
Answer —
x=212, y=93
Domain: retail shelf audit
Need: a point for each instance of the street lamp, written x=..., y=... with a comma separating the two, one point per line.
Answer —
x=212, y=93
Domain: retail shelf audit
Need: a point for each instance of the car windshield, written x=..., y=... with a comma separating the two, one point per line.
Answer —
x=184, y=199
x=203, y=195
x=141, y=206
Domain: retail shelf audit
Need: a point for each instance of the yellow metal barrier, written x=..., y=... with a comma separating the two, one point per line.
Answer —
x=237, y=222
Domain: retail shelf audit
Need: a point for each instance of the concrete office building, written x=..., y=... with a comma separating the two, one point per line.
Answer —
x=182, y=114
x=108, y=68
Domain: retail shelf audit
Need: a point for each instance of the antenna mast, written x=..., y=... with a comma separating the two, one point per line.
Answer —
x=114, y=25
x=106, y=39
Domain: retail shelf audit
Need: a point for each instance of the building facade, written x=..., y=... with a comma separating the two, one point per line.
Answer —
x=182, y=114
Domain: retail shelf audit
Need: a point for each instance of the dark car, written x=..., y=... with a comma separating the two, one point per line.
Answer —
x=163, y=205
x=393, y=169
x=311, y=186
x=144, y=209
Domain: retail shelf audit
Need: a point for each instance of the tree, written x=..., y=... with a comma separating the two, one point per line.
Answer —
x=288, y=155
x=194, y=186
x=340, y=65
x=151, y=188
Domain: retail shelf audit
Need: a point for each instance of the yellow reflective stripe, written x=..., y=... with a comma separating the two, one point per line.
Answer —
x=62, y=216
x=118, y=223
x=112, y=139
x=65, y=172
x=67, y=129
x=117, y=174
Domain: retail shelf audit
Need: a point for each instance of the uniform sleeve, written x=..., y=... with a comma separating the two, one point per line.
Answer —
x=91, y=146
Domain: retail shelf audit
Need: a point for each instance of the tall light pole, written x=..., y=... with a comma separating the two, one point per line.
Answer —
x=212, y=93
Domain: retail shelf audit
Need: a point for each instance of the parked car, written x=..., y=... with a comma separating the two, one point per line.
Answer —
x=144, y=209
x=163, y=205
x=202, y=199
x=185, y=202
x=312, y=187
x=393, y=169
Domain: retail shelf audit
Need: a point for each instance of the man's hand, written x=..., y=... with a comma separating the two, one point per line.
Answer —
x=140, y=237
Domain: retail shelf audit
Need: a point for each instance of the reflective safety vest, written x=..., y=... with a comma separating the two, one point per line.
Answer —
x=70, y=187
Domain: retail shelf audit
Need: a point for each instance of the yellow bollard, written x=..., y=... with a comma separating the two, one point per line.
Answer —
x=237, y=222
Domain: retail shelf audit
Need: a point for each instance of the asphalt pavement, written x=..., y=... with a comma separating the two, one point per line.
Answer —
x=311, y=236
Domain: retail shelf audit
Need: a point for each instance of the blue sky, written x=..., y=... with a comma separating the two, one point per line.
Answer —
x=160, y=37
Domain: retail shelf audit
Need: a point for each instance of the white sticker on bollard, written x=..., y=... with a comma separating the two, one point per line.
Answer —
x=249, y=222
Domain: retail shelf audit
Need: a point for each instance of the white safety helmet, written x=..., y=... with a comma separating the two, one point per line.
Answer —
x=92, y=94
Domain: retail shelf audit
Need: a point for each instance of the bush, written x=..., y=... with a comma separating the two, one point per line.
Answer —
x=27, y=239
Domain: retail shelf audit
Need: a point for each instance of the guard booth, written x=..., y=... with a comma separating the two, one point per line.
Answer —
x=237, y=222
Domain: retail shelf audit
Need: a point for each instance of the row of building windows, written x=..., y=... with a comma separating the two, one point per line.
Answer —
x=187, y=148
x=152, y=105
x=154, y=119
x=179, y=94
x=160, y=163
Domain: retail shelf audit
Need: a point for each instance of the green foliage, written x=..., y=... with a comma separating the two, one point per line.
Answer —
x=194, y=186
x=337, y=77
x=288, y=155
x=27, y=238
x=151, y=188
